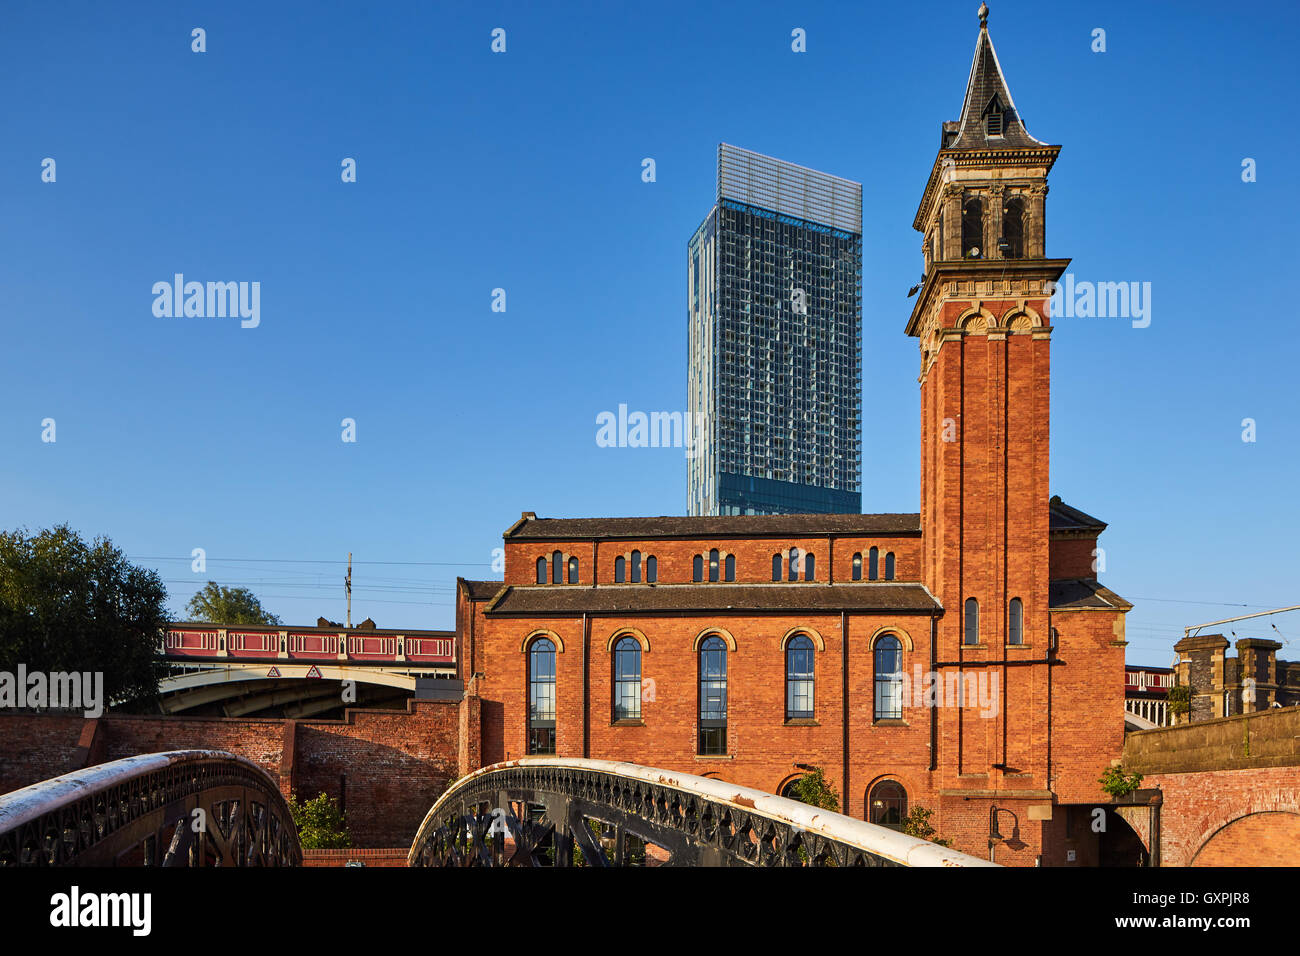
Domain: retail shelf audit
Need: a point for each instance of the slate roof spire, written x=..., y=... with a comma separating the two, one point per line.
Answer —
x=989, y=118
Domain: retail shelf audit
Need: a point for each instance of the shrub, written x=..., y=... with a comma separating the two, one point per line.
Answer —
x=918, y=824
x=320, y=822
x=1119, y=783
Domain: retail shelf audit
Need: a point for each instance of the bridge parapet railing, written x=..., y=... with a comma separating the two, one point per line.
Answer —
x=560, y=811
x=179, y=808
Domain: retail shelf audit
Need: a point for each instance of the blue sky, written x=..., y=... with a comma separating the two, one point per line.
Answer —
x=522, y=171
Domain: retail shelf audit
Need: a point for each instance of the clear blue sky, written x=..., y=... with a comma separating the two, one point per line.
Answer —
x=523, y=171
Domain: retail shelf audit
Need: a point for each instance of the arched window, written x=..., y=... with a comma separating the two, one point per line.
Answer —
x=713, y=564
x=729, y=567
x=972, y=229
x=889, y=565
x=1013, y=228
x=809, y=567
x=573, y=570
x=541, y=697
x=697, y=568
x=620, y=569
x=1016, y=622
x=776, y=567
x=636, y=567
x=541, y=570
x=651, y=569
x=889, y=678
x=794, y=565
x=627, y=679
x=799, y=680
x=972, y=621
x=873, y=564
x=713, y=696
x=857, y=566
x=887, y=804
x=557, y=568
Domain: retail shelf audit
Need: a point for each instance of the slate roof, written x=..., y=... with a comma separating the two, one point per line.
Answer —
x=541, y=600
x=530, y=527
x=986, y=83
x=1072, y=594
x=1062, y=517
x=482, y=590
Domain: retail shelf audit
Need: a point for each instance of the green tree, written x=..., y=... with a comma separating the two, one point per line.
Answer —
x=321, y=824
x=918, y=824
x=815, y=790
x=68, y=605
x=228, y=606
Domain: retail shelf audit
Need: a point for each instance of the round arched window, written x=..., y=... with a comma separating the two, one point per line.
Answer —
x=887, y=804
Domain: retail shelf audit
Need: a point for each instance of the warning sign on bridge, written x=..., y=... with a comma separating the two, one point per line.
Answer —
x=273, y=672
x=313, y=671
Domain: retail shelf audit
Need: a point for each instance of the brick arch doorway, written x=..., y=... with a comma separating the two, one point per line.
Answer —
x=1119, y=844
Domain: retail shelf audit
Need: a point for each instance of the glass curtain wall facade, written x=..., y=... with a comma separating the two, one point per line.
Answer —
x=775, y=337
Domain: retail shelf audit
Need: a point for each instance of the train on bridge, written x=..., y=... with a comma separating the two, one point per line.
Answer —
x=202, y=642
x=270, y=670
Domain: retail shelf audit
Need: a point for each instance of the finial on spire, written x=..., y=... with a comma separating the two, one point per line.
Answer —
x=984, y=16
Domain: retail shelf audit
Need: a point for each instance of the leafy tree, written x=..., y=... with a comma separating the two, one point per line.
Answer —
x=918, y=824
x=228, y=606
x=321, y=824
x=814, y=789
x=66, y=605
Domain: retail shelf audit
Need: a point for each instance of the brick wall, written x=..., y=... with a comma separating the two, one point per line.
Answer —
x=393, y=856
x=1261, y=839
x=35, y=748
x=1217, y=817
x=1072, y=557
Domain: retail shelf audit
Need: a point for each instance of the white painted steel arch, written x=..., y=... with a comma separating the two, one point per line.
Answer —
x=881, y=841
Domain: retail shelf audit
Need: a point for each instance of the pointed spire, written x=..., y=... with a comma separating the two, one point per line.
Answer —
x=988, y=117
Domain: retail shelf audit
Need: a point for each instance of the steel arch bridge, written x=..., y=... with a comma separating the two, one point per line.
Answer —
x=556, y=811
x=180, y=808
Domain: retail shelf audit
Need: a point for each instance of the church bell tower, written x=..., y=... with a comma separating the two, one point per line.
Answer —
x=981, y=319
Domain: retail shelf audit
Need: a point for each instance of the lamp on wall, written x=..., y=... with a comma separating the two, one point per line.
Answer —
x=995, y=836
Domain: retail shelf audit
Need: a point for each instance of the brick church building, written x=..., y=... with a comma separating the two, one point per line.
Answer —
x=964, y=659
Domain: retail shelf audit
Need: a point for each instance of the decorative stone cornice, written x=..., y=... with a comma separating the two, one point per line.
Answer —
x=1015, y=280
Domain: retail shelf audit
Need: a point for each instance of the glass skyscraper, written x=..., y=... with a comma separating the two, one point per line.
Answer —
x=775, y=307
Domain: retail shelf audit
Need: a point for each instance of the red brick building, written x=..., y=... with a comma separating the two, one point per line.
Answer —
x=748, y=648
